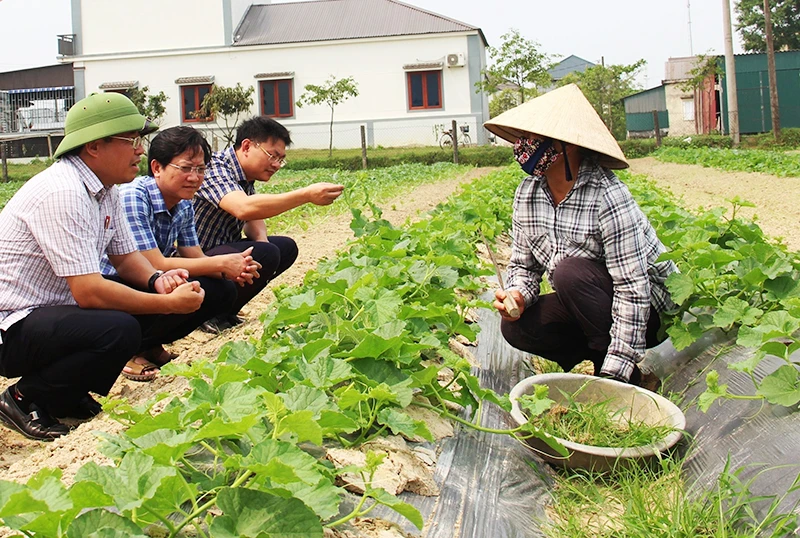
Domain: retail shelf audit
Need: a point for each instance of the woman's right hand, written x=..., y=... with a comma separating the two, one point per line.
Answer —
x=516, y=296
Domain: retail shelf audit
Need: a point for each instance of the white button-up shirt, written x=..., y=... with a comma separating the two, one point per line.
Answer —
x=59, y=224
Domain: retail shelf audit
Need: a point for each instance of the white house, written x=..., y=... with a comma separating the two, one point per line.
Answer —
x=415, y=69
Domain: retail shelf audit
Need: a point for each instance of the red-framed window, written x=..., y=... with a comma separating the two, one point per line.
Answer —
x=191, y=99
x=424, y=89
x=276, y=98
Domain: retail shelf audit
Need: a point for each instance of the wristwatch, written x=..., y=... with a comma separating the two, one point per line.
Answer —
x=151, y=284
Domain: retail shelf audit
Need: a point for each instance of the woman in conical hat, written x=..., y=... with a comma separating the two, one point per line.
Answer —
x=576, y=222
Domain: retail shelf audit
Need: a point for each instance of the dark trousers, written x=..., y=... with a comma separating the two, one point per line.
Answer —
x=573, y=324
x=275, y=257
x=63, y=352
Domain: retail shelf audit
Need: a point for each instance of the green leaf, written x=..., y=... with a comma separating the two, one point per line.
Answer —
x=781, y=387
x=404, y=509
x=537, y=403
x=301, y=397
x=748, y=365
x=680, y=286
x=132, y=483
x=255, y=514
x=334, y=422
x=323, y=372
x=103, y=524
x=713, y=391
x=303, y=425
x=238, y=352
x=782, y=287
x=402, y=424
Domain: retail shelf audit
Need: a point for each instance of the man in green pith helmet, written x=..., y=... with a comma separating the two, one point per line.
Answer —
x=65, y=330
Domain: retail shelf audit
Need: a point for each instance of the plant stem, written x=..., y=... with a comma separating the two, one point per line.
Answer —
x=460, y=420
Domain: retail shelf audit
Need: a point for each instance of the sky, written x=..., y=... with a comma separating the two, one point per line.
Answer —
x=616, y=31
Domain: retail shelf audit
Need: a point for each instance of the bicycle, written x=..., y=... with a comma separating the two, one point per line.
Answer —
x=446, y=140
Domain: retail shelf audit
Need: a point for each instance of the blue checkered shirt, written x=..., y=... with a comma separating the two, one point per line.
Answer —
x=215, y=226
x=152, y=224
x=598, y=220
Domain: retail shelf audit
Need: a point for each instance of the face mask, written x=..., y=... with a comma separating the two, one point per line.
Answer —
x=535, y=156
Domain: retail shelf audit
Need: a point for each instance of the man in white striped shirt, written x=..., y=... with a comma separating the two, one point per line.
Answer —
x=65, y=329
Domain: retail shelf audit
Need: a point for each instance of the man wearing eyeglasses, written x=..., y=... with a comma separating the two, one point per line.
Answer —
x=227, y=206
x=65, y=330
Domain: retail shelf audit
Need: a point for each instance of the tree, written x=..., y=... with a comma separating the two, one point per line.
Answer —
x=604, y=87
x=151, y=106
x=518, y=64
x=785, y=24
x=332, y=93
x=226, y=104
x=706, y=66
x=504, y=100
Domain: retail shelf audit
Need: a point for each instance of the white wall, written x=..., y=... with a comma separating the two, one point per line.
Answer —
x=109, y=26
x=677, y=125
x=376, y=65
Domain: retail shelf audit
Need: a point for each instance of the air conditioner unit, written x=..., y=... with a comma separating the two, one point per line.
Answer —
x=455, y=60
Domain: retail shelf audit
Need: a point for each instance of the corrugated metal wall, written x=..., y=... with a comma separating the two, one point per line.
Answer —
x=639, y=110
x=752, y=81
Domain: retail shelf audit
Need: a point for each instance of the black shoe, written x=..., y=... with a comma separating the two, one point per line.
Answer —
x=36, y=423
x=84, y=408
x=234, y=320
x=216, y=325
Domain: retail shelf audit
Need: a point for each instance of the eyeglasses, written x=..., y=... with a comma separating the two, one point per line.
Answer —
x=199, y=170
x=281, y=161
x=135, y=141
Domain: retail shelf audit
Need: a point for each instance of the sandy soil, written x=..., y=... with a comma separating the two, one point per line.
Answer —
x=777, y=199
x=21, y=458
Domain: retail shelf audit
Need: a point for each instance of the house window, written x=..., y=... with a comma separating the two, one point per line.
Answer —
x=688, y=109
x=276, y=98
x=424, y=89
x=191, y=99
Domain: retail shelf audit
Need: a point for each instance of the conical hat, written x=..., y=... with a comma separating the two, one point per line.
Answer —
x=563, y=114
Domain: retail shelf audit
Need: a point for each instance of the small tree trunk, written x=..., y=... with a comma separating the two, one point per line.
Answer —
x=330, y=142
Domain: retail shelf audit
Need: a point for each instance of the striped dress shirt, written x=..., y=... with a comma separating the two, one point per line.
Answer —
x=152, y=224
x=59, y=224
x=597, y=220
x=215, y=226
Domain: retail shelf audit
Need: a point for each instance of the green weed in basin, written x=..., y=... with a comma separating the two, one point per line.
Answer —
x=589, y=423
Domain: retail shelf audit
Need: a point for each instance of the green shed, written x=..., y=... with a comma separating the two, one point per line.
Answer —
x=752, y=89
x=639, y=109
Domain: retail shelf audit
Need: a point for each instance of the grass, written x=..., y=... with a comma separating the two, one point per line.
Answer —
x=642, y=502
x=597, y=424
x=361, y=187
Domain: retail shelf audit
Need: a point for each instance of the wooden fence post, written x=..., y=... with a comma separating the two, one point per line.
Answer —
x=454, y=132
x=657, y=128
x=49, y=146
x=4, y=161
x=363, y=147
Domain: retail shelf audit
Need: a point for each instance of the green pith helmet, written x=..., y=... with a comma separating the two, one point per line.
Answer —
x=98, y=116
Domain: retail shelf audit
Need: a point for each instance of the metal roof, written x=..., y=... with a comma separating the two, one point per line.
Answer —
x=326, y=20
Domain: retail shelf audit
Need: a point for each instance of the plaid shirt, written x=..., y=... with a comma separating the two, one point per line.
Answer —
x=57, y=225
x=152, y=224
x=598, y=220
x=216, y=226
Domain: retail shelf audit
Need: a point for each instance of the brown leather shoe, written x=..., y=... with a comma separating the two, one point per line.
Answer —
x=36, y=424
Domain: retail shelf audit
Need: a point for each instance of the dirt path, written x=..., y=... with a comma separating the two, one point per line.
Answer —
x=21, y=458
x=777, y=199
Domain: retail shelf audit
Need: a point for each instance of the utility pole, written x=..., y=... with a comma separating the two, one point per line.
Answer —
x=773, y=77
x=730, y=74
x=689, y=9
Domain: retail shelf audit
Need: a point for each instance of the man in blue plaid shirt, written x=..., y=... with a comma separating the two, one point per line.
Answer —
x=575, y=222
x=159, y=210
x=227, y=205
